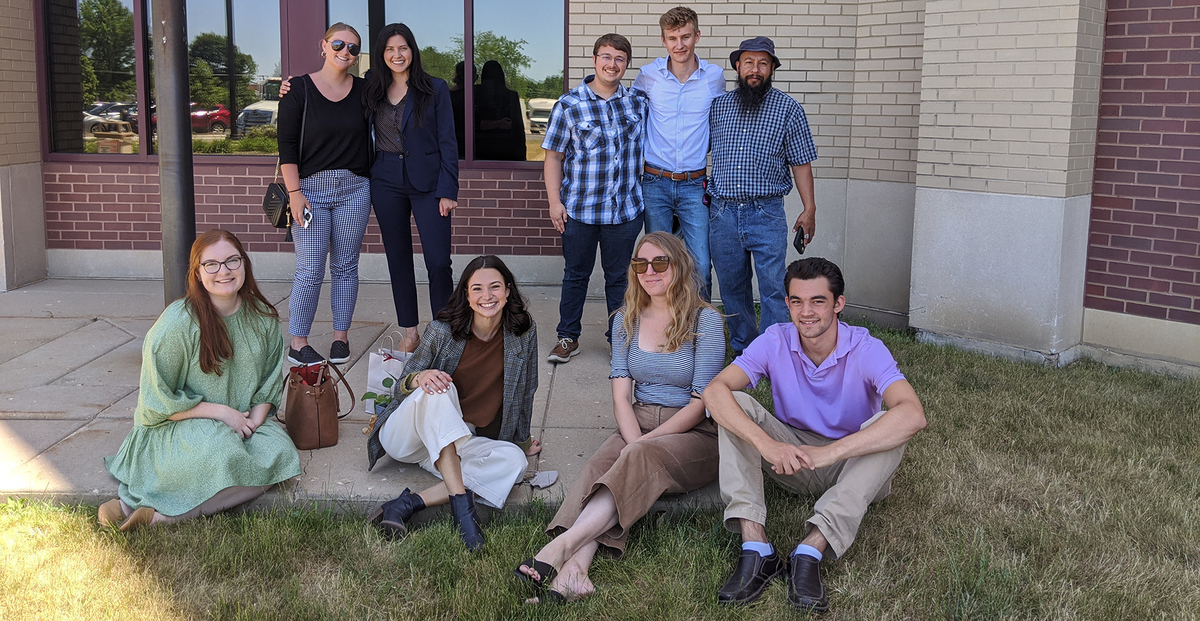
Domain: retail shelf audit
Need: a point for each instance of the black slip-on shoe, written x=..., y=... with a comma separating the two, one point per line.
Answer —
x=306, y=355
x=339, y=352
x=751, y=577
x=805, y=590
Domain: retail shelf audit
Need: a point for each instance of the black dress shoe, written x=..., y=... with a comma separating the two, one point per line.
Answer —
x=805, y=591
x=751, y=577
x=393, y=516
x=466, y=518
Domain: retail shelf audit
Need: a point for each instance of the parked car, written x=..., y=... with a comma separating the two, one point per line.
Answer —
x=262, y=112
x=214, y=120
x=539, y=114
x=110, y=111
x=91, y=122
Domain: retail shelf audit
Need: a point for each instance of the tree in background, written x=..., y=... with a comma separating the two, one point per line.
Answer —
x=490, y=46
x=106, y=39
x=88, y=82
x=209, y=67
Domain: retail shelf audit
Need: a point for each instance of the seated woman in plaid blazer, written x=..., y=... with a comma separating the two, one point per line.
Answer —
x=467, y=398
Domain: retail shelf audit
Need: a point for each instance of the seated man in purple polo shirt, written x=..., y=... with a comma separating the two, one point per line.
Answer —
x=827, y=436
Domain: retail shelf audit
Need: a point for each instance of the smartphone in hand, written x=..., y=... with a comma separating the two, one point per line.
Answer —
x=798, y=241
x=307, y=217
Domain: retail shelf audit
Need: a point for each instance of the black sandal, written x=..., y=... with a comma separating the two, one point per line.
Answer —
x=545, y=571
x=549, y=598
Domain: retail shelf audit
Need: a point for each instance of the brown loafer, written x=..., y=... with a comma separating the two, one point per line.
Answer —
x=137, y=519
x=110, y=514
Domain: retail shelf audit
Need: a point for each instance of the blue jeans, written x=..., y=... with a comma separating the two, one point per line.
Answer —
x=738, y=231
x=579, y=243
x=667, y=200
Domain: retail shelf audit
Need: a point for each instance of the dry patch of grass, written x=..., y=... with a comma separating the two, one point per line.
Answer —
x=1035, y=493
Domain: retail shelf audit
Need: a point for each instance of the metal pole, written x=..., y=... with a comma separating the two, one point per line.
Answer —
x=177, y=185
x=230, y=62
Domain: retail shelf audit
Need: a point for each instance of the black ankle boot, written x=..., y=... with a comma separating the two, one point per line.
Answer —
x=466, y=518
x=396, y=512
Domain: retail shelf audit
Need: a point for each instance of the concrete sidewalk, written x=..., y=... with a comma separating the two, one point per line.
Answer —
x=70, y=359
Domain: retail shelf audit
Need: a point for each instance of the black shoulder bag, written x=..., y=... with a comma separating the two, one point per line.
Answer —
x=275, y=202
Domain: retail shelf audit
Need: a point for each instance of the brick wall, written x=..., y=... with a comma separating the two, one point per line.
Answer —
x=815, y=41
x=1009, y=95
x=19, y=137
x=887, y=90
x=110, y=206
x=1144, y=246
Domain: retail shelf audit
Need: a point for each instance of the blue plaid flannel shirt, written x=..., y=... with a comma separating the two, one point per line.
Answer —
x=602, y=142
x=752, y=152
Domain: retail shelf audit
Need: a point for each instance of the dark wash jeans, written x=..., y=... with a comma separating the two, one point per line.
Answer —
x=579, y=243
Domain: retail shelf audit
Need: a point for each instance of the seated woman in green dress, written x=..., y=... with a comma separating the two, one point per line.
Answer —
x=212, y=372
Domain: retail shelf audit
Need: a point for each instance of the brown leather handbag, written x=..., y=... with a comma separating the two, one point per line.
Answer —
x=312, y=405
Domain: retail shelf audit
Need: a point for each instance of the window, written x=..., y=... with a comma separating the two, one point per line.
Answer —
x=96, y=97
x=91, y=75
x=521, y=56
x=516, y=74
x=233, y=75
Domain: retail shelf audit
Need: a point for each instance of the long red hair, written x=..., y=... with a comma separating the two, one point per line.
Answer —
x=215, y=346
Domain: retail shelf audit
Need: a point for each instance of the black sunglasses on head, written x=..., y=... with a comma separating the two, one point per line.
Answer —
x=338, y=44
x=660, y=264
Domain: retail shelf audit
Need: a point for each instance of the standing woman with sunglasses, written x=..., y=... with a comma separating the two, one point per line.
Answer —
x=668, y=344
x=325, y=159
x=415, y=174
x=212, y=373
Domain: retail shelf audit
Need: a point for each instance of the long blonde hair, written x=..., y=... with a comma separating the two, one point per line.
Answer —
x=683, y=294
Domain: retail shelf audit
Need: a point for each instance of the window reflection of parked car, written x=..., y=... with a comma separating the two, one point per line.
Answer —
x=214, y=119
x=262, y=112
x=91, y=122
x=539, y=114
x=110, y=111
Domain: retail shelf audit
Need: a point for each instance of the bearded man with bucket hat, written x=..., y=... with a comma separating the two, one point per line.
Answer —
x=757, y=133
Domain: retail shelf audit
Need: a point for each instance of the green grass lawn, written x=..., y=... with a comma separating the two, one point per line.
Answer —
x=1035, y=493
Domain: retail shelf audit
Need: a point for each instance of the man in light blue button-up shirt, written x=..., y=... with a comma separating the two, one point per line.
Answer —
x=680, y=87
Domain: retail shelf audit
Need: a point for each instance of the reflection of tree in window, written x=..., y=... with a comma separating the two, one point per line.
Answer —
x=106, y=39
x=209, y=72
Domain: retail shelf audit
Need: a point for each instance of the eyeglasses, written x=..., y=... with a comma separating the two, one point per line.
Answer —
x=609, y=58
x=338, y=44
x=233, y=263
x=660, y=264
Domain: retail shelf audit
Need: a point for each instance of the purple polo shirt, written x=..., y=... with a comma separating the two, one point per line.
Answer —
x=833, y=399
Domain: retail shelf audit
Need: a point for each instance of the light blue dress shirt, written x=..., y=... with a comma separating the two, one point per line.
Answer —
x=677, y=132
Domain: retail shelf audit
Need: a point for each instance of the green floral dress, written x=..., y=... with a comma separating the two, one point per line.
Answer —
x=174, y=466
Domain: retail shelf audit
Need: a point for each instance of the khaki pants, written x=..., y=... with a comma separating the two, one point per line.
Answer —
x=847, y=488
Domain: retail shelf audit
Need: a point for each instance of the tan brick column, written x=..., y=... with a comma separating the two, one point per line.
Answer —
x=22, y=209
x=1009, y=103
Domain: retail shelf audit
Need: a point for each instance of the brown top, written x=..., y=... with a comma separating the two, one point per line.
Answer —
x=388, y=122
x=480, y=382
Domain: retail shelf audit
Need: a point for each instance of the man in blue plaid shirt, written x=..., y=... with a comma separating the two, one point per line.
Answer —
x=594, y=144
x=758, y=136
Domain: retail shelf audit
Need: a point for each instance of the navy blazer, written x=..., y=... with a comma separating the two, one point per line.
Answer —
x=430, y=152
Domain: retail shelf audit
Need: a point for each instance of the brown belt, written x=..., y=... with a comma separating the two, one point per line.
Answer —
x=683, y=176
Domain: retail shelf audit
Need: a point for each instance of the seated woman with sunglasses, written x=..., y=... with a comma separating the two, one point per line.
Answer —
x=212, y=372
x=467, y=402
x=668, y=344
x=324, y=156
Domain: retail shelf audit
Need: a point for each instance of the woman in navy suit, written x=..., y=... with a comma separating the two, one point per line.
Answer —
x=415, y=170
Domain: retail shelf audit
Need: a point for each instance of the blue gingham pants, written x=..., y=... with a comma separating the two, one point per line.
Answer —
x=341, y=206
